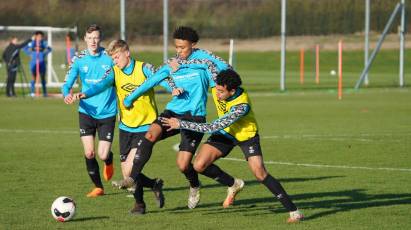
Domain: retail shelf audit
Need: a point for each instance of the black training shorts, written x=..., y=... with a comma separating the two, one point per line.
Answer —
x=104, y=127
x=189, y=139
x=129, y=141
x=250, y=147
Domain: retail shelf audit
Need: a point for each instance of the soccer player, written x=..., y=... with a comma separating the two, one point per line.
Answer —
x=185, y=40
x=194, y=78
x=97, y=113
x=127, y=75
x=236, y=126
x=38, y=50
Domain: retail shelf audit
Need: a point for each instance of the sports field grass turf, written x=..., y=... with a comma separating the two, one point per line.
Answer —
x=345, y=163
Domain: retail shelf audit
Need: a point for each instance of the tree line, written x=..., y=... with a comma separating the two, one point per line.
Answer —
x=212, y=18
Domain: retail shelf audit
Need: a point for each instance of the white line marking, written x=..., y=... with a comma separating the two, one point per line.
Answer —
x=322, y=166
x=43, y=131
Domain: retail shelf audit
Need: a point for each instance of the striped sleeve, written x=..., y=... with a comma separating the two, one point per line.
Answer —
x=235, y=113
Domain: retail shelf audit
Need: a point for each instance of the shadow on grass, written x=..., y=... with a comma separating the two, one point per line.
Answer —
x=348, y=200
x=334, y=202
x=89, y=218
x=253, y=182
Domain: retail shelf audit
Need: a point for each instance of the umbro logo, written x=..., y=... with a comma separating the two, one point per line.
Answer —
x=129, y=87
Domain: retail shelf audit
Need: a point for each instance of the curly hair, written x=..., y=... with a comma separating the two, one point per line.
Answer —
x=228, y=78
x=186, y=33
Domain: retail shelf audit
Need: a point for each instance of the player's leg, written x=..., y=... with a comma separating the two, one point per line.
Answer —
x=13, y=81
x=92, y=166
x=105, y=128
x=9, y=82
x=144, y=149
x=43, y=79
x=33, y=79
x=188, y=145
x=218, y=146
x=253, y=153
x=88, y=127
x=128, y=148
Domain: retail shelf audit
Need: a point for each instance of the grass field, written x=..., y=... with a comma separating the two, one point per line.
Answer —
x=345, y=163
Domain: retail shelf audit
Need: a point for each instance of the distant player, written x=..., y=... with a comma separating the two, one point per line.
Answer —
x=38, y=51
x=236, y=126
x=98, y=113
x=127, y=75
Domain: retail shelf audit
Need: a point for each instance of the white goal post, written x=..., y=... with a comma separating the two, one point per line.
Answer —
x=52, y=79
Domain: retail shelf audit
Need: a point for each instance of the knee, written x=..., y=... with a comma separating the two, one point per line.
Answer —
x=199, y=167
x=149, y=136
x=182, y=167
x=260, y=174
x=90, y=154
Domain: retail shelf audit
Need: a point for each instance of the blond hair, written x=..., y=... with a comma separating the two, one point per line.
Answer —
x=116, y=46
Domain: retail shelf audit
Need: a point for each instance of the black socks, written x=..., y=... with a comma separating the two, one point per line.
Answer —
x=215, y=173
x=275, y=187
x=94, y=172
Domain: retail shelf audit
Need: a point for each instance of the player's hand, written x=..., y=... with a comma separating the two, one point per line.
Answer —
x=78, y=96
x=69, y=99
x=177, y=91
x=174, y=65
x=172, y=123
x=126, y=104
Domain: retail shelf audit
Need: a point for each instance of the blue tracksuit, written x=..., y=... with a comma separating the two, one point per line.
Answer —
x=30, y=50
x=92, y=69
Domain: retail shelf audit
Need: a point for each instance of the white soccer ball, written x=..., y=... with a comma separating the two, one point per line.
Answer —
x=63, y=209
x=332, y=72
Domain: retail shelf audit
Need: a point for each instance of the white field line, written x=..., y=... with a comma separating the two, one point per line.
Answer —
x=322, y=166
x=265, y=137
x=42, y=131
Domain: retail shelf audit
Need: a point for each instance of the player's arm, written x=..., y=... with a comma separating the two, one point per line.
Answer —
x=70, y=78
x=27, y=49
x=207, y=65
x=105, y=82
x=24, y=44
x=235, y=113
x=218, y=61
x=149, y=70
x=160, y=75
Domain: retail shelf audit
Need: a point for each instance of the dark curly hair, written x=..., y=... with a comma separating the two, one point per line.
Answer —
x=229, y=78
x=186, y=33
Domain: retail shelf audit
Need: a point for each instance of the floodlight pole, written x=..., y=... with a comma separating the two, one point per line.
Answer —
x=283, y=27
x=122, y=20
x=379, y=44
x=165, y=30
x=366, y=35
x=402, y=47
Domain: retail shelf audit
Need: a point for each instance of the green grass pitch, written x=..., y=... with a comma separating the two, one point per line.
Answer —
x=346, y=164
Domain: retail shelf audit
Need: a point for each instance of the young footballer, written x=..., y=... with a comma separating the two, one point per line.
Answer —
x=98, y=113
x=236, y=126
x=127, y=75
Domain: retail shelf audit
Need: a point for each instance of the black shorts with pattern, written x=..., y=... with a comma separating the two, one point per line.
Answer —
x=250, y=147
x=190, y=140
x=104, y=127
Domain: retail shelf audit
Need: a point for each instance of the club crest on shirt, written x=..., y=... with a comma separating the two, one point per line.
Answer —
x=105, y=67
x=85, y=69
